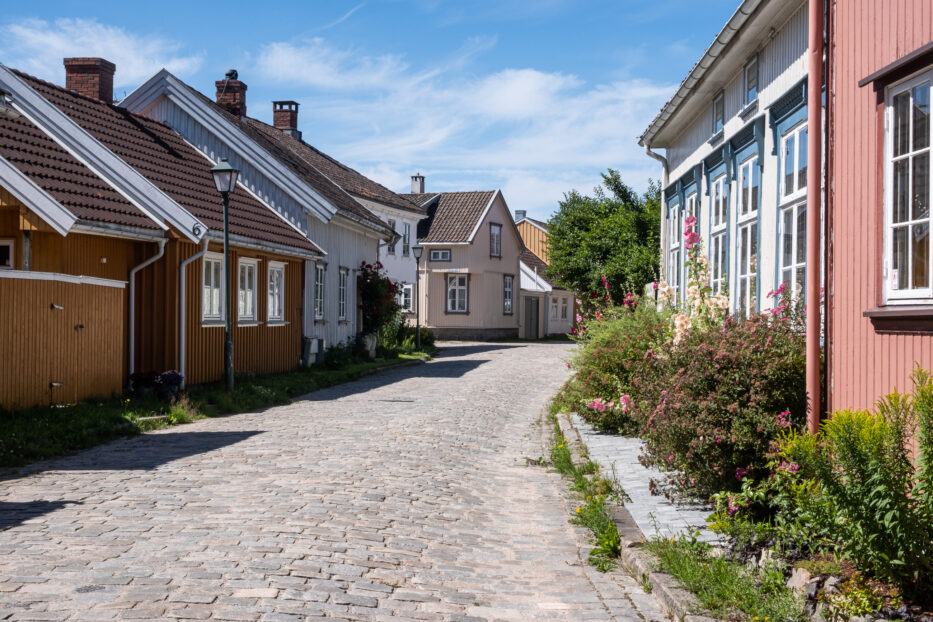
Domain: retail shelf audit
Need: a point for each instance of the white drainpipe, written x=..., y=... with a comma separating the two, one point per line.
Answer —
x=133, y=272
x=182, y=308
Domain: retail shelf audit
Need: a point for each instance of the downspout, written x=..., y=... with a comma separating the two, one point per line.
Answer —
x=133, y=272
x=665, y=170
x=182, y=308
x=814, y=206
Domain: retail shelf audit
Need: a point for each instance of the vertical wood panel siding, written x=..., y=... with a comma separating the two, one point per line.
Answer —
x=535, y=239
x=866, y=364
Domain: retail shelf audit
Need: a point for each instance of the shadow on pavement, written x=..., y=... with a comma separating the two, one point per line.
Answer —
x=12, y=513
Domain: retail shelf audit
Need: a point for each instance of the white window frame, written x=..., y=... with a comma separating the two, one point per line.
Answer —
x=320, y=272
x=747, y=231
x=554, y=308
x=11, y=244
x=390, y=247
x=564, y=304
x=406, y=239
x=406, y=297
x=719, y=217
x=440, y=254
x=719, y=116
x=275, y=301
x=342, y=290
x=495, y=239
x=250, y=264
x=210, y=260
x=796, y=190
x=797, y=265
x=894, y=294
x=752, y=62
x=454, y=285
x=674, y=259
x=508, y=287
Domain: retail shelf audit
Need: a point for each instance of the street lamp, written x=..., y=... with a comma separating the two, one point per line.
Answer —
x=225, y=180
x=416, y=250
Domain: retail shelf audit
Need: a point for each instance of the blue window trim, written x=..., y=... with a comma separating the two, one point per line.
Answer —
x=781, y=128
x=673, y=205
x=748, y=142
x=785, y=108
x=714, y=174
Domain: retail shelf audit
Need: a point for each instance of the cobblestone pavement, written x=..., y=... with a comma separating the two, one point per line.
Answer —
x=404, y=495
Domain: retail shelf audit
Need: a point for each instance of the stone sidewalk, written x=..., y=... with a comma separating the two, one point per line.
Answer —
x=406, y=495
x=654, y=514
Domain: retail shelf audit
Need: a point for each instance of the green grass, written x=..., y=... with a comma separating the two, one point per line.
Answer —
x=45, y=432
x=728, y=589
x=595, y=493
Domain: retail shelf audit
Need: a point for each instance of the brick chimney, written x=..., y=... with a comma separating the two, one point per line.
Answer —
x=417, y=183
x=285, y=117
x=92, y=77
x=231, y=93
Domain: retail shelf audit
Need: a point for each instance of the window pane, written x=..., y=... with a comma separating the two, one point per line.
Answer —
x=802, y=234
x=802, y=160
x=899, y=252
x=787, y=276
x=787, y=238
x=751, y=82
x=800, y=284
x=901, y=189
x=743, y=251
x=921, y=255
x=901, y=122
x=921, y=179
x=753, y=241
x=789, y=167
x=756, y=182
x=921, y=116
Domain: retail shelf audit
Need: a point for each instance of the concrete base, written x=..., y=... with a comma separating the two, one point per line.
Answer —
x=473, y=334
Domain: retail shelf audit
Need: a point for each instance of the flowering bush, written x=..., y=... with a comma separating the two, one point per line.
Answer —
x=710, y=405
x=377, y=297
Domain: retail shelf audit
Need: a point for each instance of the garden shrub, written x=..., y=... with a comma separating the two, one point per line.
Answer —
x=863, y=462
x=711, y=404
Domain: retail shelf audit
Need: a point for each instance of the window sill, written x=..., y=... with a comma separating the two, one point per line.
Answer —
x=319, y=320
x=213, y=324
x=716, y=138
x=343, y=322
x=917, y=319
x=247, y=323
x=277, y=323
x=449, y=312
x=749, y=110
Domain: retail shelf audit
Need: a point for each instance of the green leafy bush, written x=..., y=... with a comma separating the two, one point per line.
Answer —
x=711, y=405
x=864, y=465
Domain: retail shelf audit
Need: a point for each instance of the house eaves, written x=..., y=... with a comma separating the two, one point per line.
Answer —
x=165, y=84
x=35, y=198
x=127, y=181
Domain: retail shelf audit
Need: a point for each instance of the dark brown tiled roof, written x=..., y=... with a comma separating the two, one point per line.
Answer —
x=165, y=159
x=453, y=216
x=65, y=179
x=275, y=144
x=420, y=199
x=533, y=261
x=350, y=180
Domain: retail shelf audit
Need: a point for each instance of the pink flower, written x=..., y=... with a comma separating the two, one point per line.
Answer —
x=579, y=318
x=690, y=221
x=740, y=473
x=777, y=292
x=691, y=238
x=781, y=420
x=789, y=467
x=573, y=331
x=567, y=364
x=605, y=282
x=718, y=440
x=599, y=315
x=625, y=401
x=599, y=405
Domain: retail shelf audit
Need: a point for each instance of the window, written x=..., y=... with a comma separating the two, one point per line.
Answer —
x=246, y=291
x=907, y=267
x=692, y=205
x=6, y=254
x=440, y=255
x=275, y=310
x=794, y=246
x=318, y=291
x=212, y=294
x=749, y=183
x=794, y=163
x=456, y=293
x=563, y=308
x=507, y=280
x=718, y=113
x=495, y=240
x=342, y=294
x=751, y=80
x=406, y=239
x=673, y=255
x=391, y=247
x=717, y=238
x=405, y=298
x=553, y=308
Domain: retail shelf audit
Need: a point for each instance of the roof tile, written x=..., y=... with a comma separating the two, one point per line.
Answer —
x=452, y=216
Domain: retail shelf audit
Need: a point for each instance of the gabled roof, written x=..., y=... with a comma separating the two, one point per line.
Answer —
x=347, y=178
x=421, y=199
x=540, y=224
x=274, y=142
x=535, y=263
x=161, y=156
x=453, y=216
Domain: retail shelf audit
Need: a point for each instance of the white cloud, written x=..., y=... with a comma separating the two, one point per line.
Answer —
x=38, y=47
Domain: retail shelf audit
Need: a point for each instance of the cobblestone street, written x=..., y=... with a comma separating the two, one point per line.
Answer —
x=404, y=495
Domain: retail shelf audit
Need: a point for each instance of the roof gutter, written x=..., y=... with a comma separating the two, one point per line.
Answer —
x=269, y=247
x=700, y=69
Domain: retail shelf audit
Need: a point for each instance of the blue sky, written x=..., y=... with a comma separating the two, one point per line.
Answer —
x=536, y=97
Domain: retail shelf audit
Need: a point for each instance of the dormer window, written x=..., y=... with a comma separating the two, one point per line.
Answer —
x=751, y=80
x=718, y=113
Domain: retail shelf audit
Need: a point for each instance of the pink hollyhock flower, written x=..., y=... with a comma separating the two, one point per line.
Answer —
x=579, y=318
x=573, y=331
x=605, y=282
x=690, y=221
x=599, y=315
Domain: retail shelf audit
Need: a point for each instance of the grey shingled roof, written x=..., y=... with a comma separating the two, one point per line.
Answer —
x=452, y=216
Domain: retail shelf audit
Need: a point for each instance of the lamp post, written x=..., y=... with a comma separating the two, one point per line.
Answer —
x=416, y=250
x=225, y=180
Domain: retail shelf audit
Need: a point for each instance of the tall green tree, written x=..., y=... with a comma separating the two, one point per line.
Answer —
x=615, y=233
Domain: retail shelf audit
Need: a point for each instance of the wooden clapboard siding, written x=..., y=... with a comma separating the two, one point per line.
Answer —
x=534, y=239
x=79, y=345
x=864, y=363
